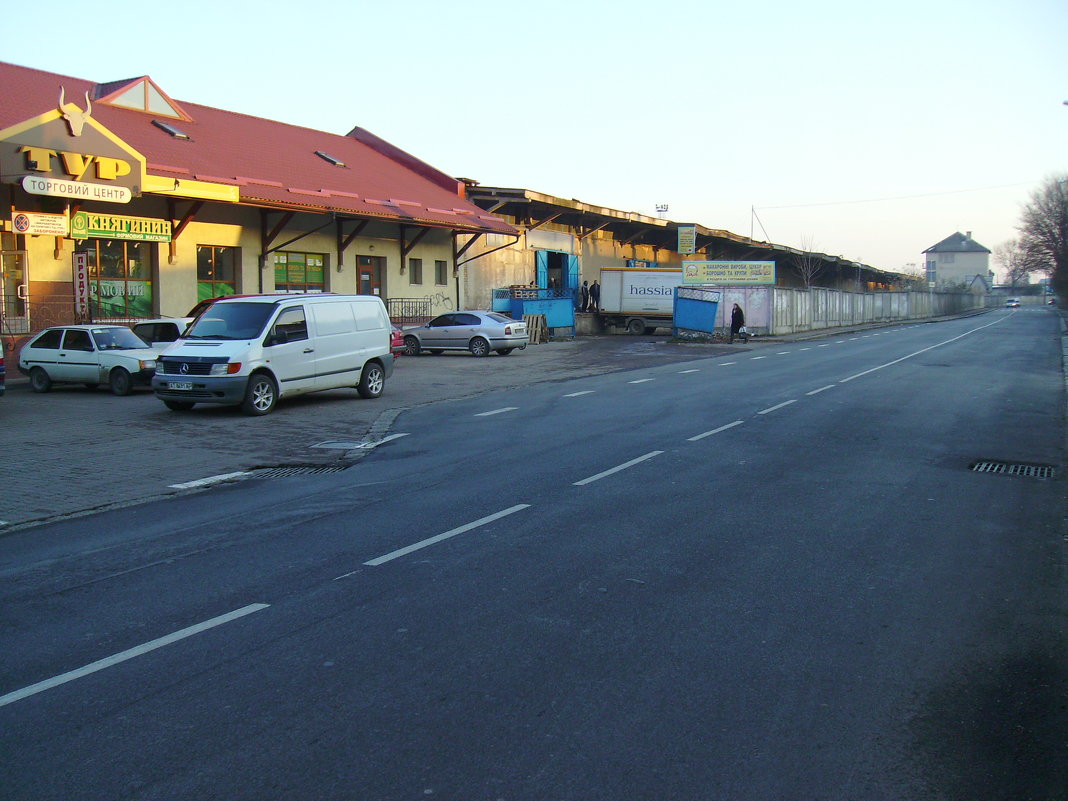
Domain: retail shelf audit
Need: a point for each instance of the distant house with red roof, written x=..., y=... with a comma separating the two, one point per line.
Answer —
x=127, y=203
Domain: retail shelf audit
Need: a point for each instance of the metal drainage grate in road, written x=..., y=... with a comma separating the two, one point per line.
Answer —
x=1009, y=469
x=294, y=470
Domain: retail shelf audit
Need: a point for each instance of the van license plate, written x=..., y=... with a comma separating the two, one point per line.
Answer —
x=186, y=385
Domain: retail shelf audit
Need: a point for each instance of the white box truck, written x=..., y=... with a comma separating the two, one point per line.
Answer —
x=638, y=299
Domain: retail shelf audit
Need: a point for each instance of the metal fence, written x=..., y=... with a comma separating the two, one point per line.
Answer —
x=409, y=311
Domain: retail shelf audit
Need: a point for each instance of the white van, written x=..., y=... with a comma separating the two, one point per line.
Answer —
x=255, y=349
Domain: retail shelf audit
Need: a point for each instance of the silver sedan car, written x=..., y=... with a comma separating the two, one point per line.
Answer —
x=476, y=331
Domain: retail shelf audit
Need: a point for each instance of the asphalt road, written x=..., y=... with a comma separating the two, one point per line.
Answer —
x=765, y=575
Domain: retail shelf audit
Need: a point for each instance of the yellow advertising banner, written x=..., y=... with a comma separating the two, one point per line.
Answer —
x=728, y=273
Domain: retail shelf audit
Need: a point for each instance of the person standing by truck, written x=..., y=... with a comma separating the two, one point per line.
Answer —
x=737, y=321
x=584, y=296
x=595, y=296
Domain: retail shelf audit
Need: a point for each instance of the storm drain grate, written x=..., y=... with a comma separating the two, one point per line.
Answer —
x=1010, y=469
x=295, y=470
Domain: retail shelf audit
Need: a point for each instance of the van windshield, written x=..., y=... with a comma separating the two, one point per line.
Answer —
x=237, y=320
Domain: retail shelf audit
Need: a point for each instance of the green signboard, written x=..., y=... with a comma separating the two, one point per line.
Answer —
x=86, y=225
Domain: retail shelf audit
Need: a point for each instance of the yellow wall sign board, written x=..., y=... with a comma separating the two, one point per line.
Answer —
x=727, y=273
x=687, y=238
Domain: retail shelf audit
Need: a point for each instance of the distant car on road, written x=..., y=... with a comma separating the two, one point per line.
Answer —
x=476, y=331
x=90, y=355
x=1012, y=303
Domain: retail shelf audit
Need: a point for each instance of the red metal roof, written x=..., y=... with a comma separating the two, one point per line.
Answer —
x=274, y=163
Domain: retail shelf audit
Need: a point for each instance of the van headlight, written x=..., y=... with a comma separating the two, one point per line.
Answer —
x=227, y=368
x=147, y=364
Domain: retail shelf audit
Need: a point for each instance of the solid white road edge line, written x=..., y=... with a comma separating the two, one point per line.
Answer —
x=203, y=482
x=715, y=431
x=48, y=684
x=381, y=560
x=616, y=469
x=775, y=408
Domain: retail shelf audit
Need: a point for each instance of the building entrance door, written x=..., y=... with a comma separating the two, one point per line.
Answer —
x=369, y=275
x=14, y=295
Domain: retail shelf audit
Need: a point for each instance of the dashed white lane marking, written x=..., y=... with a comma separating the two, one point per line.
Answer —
x=617, y=468
x=715, y=431
x=48, y=684
x=755, y=358
x=725, y=364
x=497, y=411
x=783, y=352
x=204, y=482
x=684, y=372
x=821, y=389
x=381, y=560
x=778, y=406
x=641, y=380
x=824, y=345
x=576, y=394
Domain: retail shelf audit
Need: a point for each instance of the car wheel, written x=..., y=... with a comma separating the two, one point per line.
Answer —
x=178, y=406
x=372, y=381
x=505, y=351
x=39, y=380
x=479, y=347
x=120, y=382
x=261, y=395
x=411, y=346
x=636, y=327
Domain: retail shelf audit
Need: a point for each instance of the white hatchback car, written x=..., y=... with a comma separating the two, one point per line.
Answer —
x=90, y=355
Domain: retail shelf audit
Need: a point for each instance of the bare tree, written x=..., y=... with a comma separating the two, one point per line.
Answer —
x=1016, y=260
x=1044, y=231
x=809, y=264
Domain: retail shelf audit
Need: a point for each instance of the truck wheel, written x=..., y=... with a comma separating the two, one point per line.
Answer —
x=261, y=395
x=636, y=327
x=372, y=380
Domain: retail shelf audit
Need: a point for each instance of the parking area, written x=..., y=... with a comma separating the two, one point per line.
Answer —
x=74, y=449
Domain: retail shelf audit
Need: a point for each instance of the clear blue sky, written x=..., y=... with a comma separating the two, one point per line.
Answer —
x=870, y=132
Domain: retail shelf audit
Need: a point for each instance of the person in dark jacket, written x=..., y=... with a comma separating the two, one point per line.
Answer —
x=737, y=320
x=584, y=296
x=595, y=296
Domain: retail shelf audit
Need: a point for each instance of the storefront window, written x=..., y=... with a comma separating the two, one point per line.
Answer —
x=299, y=272
x=120, y=282
x=216, y=271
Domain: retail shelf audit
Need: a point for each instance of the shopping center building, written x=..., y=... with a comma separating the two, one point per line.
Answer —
x=122, y=203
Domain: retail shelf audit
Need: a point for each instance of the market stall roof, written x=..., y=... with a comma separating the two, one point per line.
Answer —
x=532, y=209
x=273, y=164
